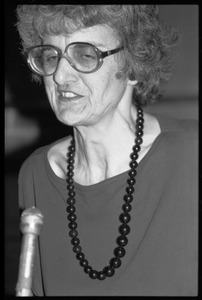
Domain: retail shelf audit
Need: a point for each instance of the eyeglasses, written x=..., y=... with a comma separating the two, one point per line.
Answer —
x=83, y=57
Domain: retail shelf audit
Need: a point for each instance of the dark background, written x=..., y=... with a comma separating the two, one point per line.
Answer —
x=30, y=123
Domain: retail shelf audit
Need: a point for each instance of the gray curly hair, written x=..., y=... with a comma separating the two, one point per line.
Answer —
x=148, y=44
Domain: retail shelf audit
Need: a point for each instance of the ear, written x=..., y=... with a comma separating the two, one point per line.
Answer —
x=131, y=79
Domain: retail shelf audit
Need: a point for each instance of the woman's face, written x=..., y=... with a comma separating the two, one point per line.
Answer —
x=98, y=93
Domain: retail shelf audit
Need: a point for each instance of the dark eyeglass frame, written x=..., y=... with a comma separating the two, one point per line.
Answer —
x=100, y=56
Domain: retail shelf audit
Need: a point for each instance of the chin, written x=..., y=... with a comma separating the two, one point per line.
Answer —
x=71, y=119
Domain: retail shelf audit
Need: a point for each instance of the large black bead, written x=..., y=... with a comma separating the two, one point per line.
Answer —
x=93, y=274
x=131, y=181
x=84, y=263
x=73, y=233
x=122, y=240
x=70, y=174
x=115, y=262
x=139, y=110
x=70, y=209
x=72, y=225
x=80, y=256
x=136, y=148
x=109, y=271
x=71, y=201
x=71, y=194
x=70, y=187
x=70, y=160
x=71, y=148
x=101, y=275
x=134, y=156
x=88, y=269
x=133, y=164
x=71, y=217
x=124, y=229
x=128, y=198
x=126, y=207
x=77, y=249
x=119, y=252
x=139, y=134
x=125, y=218
x=70, y=167
x=140, y=118
x=70, y=181
x=139, y=140
x=71, y=155
x=139, y=128
x=75, y=241
x=132, y=173
x=130, y=190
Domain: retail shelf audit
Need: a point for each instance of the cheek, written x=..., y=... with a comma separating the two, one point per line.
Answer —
x=111, y=84
x=105, y=83
x=50, y=88
x=105, y=78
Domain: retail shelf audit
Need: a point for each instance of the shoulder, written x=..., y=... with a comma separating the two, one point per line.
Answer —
x=169, y=124
x=179, y=138
x=37, y=159
x=186, y=126
x=32, y=160
x=183, y=129
x=57, y=156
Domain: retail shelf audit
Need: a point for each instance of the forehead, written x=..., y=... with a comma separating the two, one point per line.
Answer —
x=99, y=35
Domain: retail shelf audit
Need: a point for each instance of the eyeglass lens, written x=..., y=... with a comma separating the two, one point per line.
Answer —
x=45, y=59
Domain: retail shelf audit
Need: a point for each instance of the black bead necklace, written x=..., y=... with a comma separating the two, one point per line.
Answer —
x=124, y=229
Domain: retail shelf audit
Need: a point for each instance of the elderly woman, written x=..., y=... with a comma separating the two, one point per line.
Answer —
x=119, y=195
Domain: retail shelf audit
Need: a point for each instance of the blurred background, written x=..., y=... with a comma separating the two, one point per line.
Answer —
x=30, y=123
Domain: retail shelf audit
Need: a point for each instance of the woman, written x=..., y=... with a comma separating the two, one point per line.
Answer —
x=119, y=195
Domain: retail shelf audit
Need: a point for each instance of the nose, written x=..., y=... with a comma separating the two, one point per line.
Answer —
x=64, y=73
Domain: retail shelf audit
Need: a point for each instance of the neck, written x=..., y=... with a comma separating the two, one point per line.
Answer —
x=103, y=150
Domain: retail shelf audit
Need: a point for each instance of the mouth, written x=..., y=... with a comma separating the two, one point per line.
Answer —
x=69, y=96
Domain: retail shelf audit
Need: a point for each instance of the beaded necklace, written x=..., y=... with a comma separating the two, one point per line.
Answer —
x=124, y=229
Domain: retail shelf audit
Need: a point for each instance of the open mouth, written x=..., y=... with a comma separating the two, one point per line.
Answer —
x=70, y=96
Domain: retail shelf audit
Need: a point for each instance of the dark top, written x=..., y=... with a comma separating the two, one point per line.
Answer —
x=161, y=256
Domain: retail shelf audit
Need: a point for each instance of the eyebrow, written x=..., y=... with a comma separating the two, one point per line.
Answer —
x=97, y=44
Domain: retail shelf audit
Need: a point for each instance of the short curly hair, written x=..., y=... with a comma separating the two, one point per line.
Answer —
x=148, y=44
